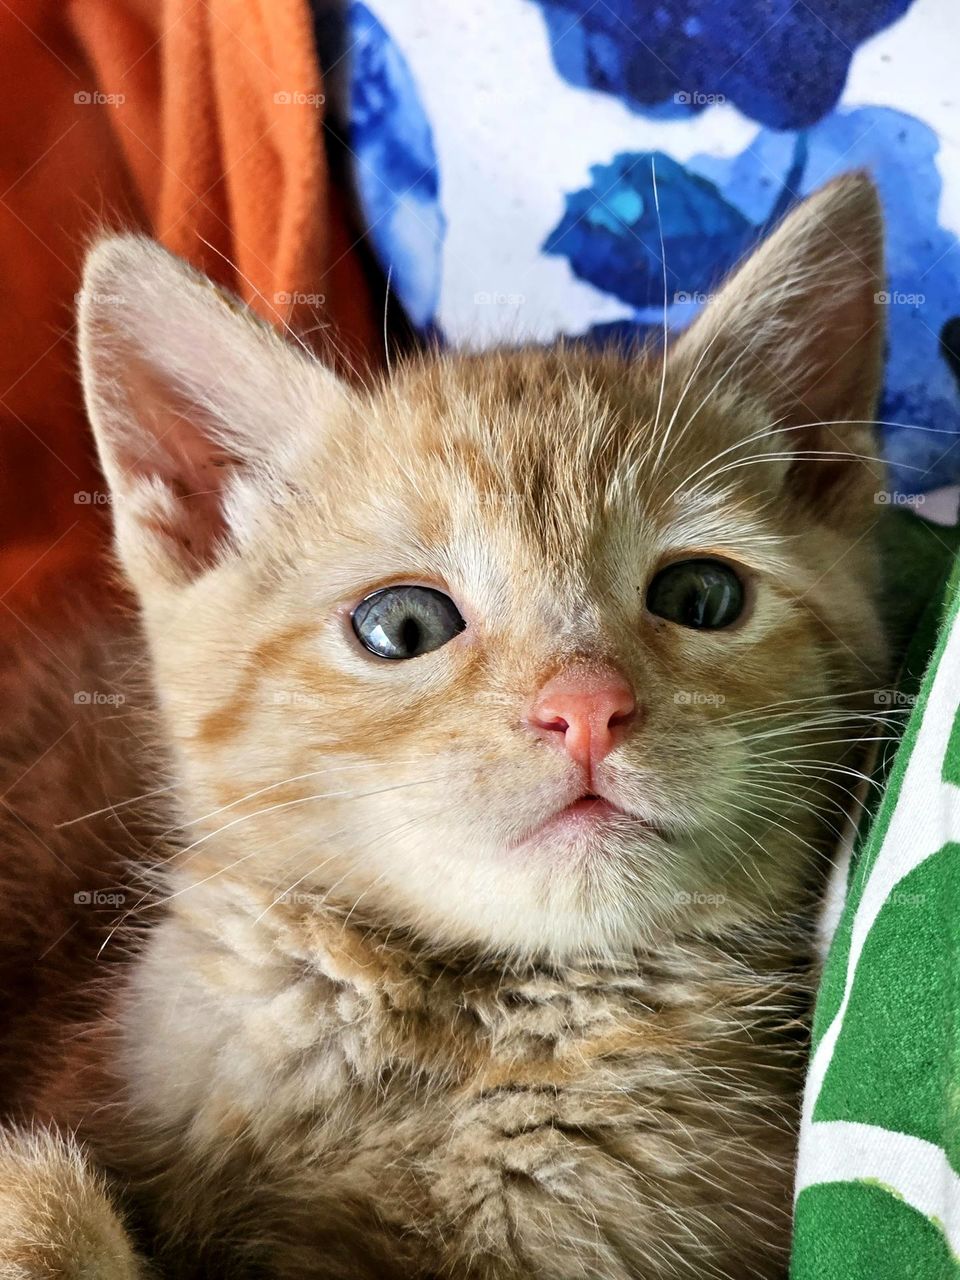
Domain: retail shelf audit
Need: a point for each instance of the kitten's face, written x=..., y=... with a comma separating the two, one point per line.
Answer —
x=519, y=651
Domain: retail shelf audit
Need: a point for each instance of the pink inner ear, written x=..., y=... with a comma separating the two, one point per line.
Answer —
x=171, y=443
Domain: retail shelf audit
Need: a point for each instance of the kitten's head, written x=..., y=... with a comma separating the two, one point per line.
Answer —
x=537, y=651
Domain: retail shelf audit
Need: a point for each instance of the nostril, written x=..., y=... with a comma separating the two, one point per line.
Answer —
x=557, y=722
x=622, y=717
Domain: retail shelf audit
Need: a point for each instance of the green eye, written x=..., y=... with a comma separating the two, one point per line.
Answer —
x=705, y=594
x=405, y=622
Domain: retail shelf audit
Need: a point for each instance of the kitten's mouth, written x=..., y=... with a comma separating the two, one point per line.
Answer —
x=590, y=806
x=587, y=814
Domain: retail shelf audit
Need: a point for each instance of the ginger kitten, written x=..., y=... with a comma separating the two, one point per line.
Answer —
x=499, y=726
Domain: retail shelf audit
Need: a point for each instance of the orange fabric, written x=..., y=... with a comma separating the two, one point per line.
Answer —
x=197, y=121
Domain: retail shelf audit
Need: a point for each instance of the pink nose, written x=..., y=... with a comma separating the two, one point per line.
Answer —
x=590, y=707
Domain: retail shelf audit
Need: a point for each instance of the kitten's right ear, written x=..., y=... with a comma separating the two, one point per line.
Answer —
x=198, y=407
x=799, y=327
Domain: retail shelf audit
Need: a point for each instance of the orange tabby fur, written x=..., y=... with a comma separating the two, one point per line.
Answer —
x=357, y=1032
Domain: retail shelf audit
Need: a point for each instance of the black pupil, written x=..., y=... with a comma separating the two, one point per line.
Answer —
x=410, y=635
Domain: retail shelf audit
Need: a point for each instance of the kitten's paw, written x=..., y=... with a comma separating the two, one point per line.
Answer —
x=56, y=1219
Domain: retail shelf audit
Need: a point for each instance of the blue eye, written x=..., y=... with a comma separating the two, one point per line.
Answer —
x=703, y=594
x=405, y=622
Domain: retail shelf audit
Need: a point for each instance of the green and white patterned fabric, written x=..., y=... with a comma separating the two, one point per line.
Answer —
x=878, y=1178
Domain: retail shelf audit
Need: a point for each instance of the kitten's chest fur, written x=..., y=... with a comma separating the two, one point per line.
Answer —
x=398, y=1110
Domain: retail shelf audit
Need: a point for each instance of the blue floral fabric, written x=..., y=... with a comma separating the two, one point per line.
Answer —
x=610, y=230
x=397, y=167
x=782, y=63
x=506, y=152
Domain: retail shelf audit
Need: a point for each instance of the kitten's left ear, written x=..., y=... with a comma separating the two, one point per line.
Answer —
x=197, y=407
x=800, y=327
